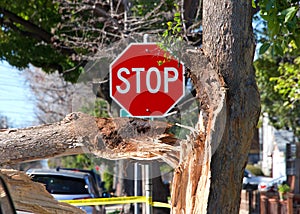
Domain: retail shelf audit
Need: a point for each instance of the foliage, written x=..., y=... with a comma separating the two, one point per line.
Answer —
x=26, y=38
x=171, y=38
x=61, y=35
x=108, y=178
x=288, y=82
x=283, y=188
x=174, y=28
x=141, y=7
x=81, y=161
x=99, y=108
x=277, y=66
x=279, y=88
x=254, y=170
x=282, y=22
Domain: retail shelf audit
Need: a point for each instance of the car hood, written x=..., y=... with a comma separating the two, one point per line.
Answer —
x=258, y=180
x=70, y=197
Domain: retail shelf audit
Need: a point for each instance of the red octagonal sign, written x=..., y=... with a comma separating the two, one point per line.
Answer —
x=146, y=81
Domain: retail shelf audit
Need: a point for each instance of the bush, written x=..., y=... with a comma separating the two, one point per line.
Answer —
x=254, y=170
x=283, y=188
x=108, y=178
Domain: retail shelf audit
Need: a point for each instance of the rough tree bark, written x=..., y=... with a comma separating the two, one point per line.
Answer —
x=231, y=53
x=111, y=138
x=209, y=179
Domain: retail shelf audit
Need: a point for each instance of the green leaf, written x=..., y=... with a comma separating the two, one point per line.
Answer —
x=296, y=40
x=264, y=48
x=169, y=24
x=278, y=49
x=253, y=4
x=286, y=103
x=177, y=14
x=166, y=33
x=290, y=13
x=177, y=19
x=297, y=60
x=269, y=5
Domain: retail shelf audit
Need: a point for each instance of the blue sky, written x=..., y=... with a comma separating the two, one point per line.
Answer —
x=15, y=98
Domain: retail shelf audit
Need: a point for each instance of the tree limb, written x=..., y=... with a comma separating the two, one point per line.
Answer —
x=111, y=138
x=34, y=31
x=39, y=32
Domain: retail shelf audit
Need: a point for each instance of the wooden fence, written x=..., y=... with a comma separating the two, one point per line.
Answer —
x=255, y=202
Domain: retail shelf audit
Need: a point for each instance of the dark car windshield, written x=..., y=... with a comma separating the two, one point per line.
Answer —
x=56, y=184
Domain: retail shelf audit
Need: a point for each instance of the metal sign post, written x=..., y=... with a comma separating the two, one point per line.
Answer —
x=137, y=175
x=148, y=169
x=148, y=188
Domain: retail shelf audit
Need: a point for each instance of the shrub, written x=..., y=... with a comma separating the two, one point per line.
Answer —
x=255, y=170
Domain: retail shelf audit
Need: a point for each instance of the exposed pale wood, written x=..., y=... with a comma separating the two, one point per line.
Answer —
x=32, y=196
x=192, y=177
x=115, y=138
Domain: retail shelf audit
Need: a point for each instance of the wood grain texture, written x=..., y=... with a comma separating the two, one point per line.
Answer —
x=32, y=196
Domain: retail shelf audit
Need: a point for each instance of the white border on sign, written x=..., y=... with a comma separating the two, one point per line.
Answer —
x=143, y=116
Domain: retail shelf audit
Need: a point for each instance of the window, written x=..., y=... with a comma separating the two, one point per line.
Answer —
x=56, y=184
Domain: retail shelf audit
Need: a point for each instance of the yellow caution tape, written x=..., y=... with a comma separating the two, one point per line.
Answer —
x=115, y=200
x=161, y=204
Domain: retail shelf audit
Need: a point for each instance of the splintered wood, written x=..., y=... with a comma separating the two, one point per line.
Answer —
x=192, y=176
x=32, y=196
x=111, y=138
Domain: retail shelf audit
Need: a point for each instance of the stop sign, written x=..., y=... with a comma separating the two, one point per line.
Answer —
x=146, y=81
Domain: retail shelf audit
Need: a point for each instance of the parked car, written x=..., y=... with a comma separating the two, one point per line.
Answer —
x=261, y=183
x=272, y=185
x=102, y=190
x=68, y=185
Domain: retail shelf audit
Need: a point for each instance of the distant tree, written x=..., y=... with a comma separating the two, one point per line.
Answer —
x=51, y=94
x=27, y=38
x=3, y=122
x=278, y=63
x=53, y=97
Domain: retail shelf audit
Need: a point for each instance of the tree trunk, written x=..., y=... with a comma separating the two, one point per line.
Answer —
x=209, y=179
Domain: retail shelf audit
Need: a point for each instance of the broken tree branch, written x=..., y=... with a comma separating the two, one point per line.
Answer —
x=111, y=138
x=33, y=196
